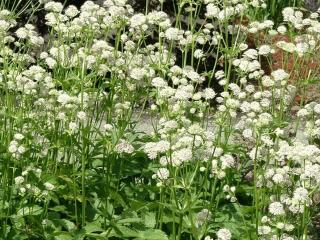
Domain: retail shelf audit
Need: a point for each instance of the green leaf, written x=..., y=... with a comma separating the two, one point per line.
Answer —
x=129, y=220
x=20, y=237
x=59, y=208
x=32, y=210
x=118, y=198
x=70, y=226
x=63, y=236
x=124, y=231
x=150, y=219
x=96, y=236
x=152, y=234
x=93, y=227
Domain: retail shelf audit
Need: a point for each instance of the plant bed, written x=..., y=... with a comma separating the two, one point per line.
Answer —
x=159, y=121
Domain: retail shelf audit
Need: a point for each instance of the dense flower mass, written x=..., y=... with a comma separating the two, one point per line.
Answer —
x=125, y=124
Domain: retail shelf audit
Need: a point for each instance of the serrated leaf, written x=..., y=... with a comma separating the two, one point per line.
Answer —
x=152, y=234
x=124, y=231
x=59, y=208
x=150, y=219
x=20, y=237
x=93, y=227
x=70, y=226
x=96, y=236
x=118, y=198
x=33, y=210
x=129, y=220
x=63, y=236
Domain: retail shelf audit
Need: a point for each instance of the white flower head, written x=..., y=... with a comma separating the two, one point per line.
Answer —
x=49, y=186
x=138, y=20
x=18, y=136
x=124, y=147
x=209, y=93
x=212, y=11
x=81, y=115
x=279, y=75
x=162, y=174
x=19, y=180
x=276, y=208
x=224, y=234
x=203, y=216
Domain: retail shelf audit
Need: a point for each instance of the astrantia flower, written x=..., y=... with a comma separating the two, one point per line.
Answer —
x=303, y=113
x=280, y=225
x=124, y=147
x=19, y=180
x=152, y=149
x=63, y=98
x=286, y=237
x=227, y=161
x=73, y=126
x=162, y=174
x=265, y=102
x=172, y=33
x=276, y=208
x=21, y=149
x=316, y=108
x=264, y=230
x=203, y=217
x=48, y=186
x=22, y=33
x=13, y=147
x=247, y=133
x=18, y=136
x=50, y=62
x=81, y=115
x=301, y=194
x=255, y=106
x=61, y=116
x=224, y=234
x=264, y=119
x=209, y=93
x=302, y=48
x=138, y=73
x=180, y=156
x=279, y=75
x=195, y=129
x=286, y=46
x=264, y=50
x=159, y=82
x=243, y=46
x=282, y=29
x=287, y=13
x=288, y=227
x=182, y=94
x=191, y=74
x=198, y=53
x=71, y=11
x=163, y=146
x=212, y=10
x=267, y=81
x=138, y=20
x=251, y=54
x=53, y=6
x=235, y=88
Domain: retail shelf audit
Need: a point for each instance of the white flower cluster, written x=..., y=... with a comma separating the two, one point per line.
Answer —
x=75, y=92
x=16, y=147
x=224, y=234
x=124, y=147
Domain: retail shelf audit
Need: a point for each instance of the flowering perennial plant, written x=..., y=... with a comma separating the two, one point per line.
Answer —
x=119, y=124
